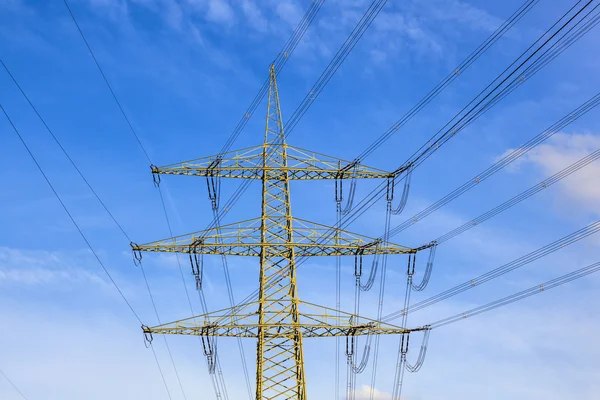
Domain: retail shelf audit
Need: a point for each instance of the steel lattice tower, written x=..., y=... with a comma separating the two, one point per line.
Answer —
x=279, y=320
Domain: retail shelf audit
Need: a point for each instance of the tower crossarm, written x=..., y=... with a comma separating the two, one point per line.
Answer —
x=248, y=164
x=314, y=321
x=244, y=239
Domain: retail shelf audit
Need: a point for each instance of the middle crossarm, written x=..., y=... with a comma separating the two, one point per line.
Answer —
x=243, y=239
x=314, y=321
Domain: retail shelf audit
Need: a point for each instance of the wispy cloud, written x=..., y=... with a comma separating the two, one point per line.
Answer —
x=33, y=268
x=364, y=393
x=560, y=151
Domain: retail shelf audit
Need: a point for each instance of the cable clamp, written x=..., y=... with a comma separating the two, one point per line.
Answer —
x=148, y=338
x=137, y=254
x=155, y=175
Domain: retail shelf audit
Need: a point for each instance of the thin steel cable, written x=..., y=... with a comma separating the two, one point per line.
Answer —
x=135, y=135
x=452, y=76
x=233, y=303
x=384, y=259
x=551, y=284
x=559, y=244
x=83, y=237
x=564, y=173
x=508, y=24
x=13, y=385
x=500, y=164
x=34, y=108
x=355, y=35
x=468, y=117
x=279, y=62
x=106, y=81
x=161, y=371
x=39, y=167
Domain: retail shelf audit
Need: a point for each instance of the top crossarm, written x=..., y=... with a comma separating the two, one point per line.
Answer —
x=248, y=164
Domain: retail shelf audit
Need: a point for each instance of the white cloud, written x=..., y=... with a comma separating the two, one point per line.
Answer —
x=220, y=11
x=557, y=153
x=288, y=12
x=364, y=393
x=465, y=13
x=31, y=268
x=254, y=16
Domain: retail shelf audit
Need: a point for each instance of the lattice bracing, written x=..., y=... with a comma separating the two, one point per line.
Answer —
x=243, y=321
x=248, y=164
x=279, y=320
x=244, y=239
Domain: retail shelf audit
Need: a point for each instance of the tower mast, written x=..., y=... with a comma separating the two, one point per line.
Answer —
x=278, y=319
x=280, y=362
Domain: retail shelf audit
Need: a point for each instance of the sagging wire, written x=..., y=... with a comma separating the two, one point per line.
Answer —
x=155, y=175
x=136, y=254
x=209, y=346
x=197, y=262
x=148, y=338
x=339, y=186
x=401, y=363
x=358, y=267
x=422, y=353
x=391, y=183
x=382, y=279
x=213, y=183
x=351, y=353
x=353, y=368
x=428, y=268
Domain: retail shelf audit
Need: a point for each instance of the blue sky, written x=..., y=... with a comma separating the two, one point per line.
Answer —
x=185, y=71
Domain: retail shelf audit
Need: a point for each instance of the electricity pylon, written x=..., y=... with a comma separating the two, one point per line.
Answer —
x=279, y=319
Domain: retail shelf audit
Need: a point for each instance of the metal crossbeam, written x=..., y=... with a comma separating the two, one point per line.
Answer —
x=244, y=239
x=278, y=320
x=248, y=164
x=243, y=321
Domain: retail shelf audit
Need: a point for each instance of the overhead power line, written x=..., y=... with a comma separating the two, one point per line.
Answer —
x=219, y=392
x=349, y=44
x=551, y=180
x=74, y=165
x=282, y=57
x=85, y=240
x=13, y=385
x=498, y=89
x=551, y=284
x=452, y=76
x=547, y=47
x=500, y=164
x=497, y=272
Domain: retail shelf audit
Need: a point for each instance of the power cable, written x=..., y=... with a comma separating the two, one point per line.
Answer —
x=497, y=272
x=551, y=284
x=129, y=124
x=69, y=215
x=452, y=76
x=356, y=34
x=579, y=164
x=279, y=62
x=34, y=108
x=468, y=117
x=13, y=385
x=463, y=118
x=503, y=162
x=83, y=237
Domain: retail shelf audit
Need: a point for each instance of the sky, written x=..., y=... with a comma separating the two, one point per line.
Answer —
x=185, y=72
